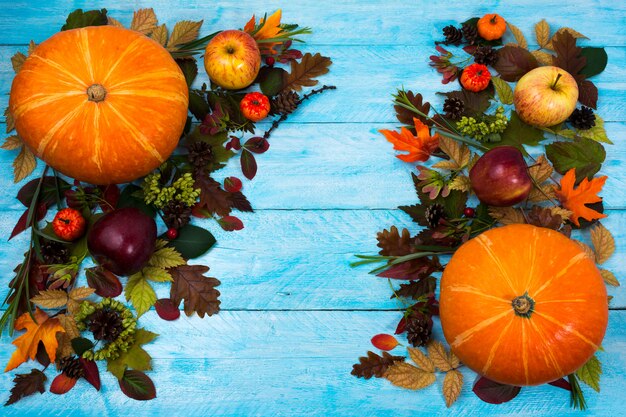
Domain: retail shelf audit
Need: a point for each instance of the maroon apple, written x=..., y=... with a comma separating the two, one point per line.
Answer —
x=123, y=240
x=500, y=177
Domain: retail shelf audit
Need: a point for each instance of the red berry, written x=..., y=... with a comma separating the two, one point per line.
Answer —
x=172, y=233
x=232, y=184
x=469, y=212
x=270, y=60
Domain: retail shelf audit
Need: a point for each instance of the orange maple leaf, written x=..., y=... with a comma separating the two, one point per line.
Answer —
x=268, y=29
x=574, y=199
x=43, y=329
x=419, y=147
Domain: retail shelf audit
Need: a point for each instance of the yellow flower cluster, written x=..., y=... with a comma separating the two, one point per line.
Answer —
x=181, y=190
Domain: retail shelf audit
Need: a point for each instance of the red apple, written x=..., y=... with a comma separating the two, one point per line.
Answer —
x=500, y=177
x=232, y=59
x=123, y=240
x=545, y=96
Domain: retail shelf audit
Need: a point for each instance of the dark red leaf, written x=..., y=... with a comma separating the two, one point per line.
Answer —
x=240, y=202
x=106, y=283
x=230, y=223
x=494, y=392
x=213, y=197
x=514, y=62
x=27, y=384
x=232, y=184
x=248, y=164
x=48, y=192
x=62, y=384
x=568, y=55
x=200, y=212
x=384, y=341
x=137, y=385
x=91, y=372
x=20, y=226
x=257, y=145
x=111, y=195
x=561, y=383
x=588, y=94
x=166, y=309
x=412, y=270
x=401, y=328
x=42, y=356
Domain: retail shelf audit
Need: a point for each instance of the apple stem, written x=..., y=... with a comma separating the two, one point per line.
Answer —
x=556, y=81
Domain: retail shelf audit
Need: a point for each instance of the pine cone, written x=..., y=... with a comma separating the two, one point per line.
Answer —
x=200, y=154
x=419, y=329
x=583, y=118
x=54, y=252
x=433, y=214
x=454, y=36
x=176, y=214
x=71, y=366
x=284, y=103
x=454, y=108
x=105, y=324
x=486, y=55
x=470, y=33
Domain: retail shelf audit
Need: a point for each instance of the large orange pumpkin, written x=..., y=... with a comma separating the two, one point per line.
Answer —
x=523, y=305
x=100, y=104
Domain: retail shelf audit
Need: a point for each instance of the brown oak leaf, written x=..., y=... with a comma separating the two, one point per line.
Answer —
x=392, y=243
x=374, y=365
x=416, y=289
x=303, y=73
x=197, y=291
x=406, y=116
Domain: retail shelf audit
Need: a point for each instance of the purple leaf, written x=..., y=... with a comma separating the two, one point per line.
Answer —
x=137, y=385
x=166, y=309
x=493, y=392
x=257, y=145
x=20, y=226
x=106, y=283
x=561, y=383
x=248, y=164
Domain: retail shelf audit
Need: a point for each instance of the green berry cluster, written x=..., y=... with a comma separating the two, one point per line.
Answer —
x=487, y=129
x=124, y=341
x=182, y=189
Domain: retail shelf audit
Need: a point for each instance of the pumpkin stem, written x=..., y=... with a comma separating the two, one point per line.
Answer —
x=96, y=93
x=523, y=305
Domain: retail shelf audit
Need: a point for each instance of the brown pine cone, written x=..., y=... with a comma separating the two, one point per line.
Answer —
x=105, y=324
x=176, y=214
x=71, y=366
x=54, y=252
x=200, y=154
x=284, y=103
x=419, y=329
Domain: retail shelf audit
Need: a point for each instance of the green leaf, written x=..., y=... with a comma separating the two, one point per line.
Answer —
x=80, y=19
x=596, y=61
x=590, y=373
x=518, y=134
x=156, y=274
x=198, y=106
x=597, y=133
x=189, y=67
x=475, y=103
x=585, y=155
x=193, y=241
x=140, y=293
x=128, y=199
x=417, y=213
x=454, y=203
x=137, y=385
x=166, y=258
x=135, y=357
x=503, y=89
x=272, y=80
x=81, y=345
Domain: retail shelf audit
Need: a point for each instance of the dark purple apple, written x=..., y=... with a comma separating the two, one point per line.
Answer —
x=123, y=240
x=500, y=177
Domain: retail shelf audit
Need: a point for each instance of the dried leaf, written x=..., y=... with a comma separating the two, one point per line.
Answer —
x=609, y=278
x=544, y=194
x=405, y=116
x=542, y=33
x=212, y=196
x=588, y=94
x=603, y=243
x=421, y=360
x=156, y=274
x=542, y=57
x=452, y=384
x=31, y=47
x=419, y=146
x=159, y=34
x=197, y=290
x=576, y=199
x=144, y=21
x=570, y=31
x=303, y=73
x=394, y=243
x=50, y=299
x=17, y=60
x=183, y=32
x=453, y=360
x=507, y=215
x=587, y=249
x=439, y=356
x=135, y=357
x=458, y=153
x=137, y=385
x=560, y=211
x=81, y=293
x=114, y=22
x=408, y=376
x=65, y=338
x=24, y=164
x=8, y=119
x=568, y=55
x=519, y=36
x=27, y=384
x=374, y=365
x=12, y=142
x=461, y=183
x=541, y=169
x=416, y=289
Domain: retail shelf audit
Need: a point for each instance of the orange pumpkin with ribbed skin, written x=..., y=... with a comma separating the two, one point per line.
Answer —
x=491, y=26
x=100, y=104
x=523, y=305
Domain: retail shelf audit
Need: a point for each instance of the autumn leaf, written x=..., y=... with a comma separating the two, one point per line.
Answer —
x=575, y=198
x=570, y=31
x=197, y=291
x=183, y=32
x=587, y=249
x=384, y=341
x=140, y=293
x=404, y=115
x=24, y=164
x=166, y=257
x=416, y=289
x=65, y=338
x=542, y=33
x=440, y=357
x=12, y=142
x=43, y=329
x=303, y=72
x=609, y=278
x=159, y=34
x=452, y=384
x=541, y=170
x=590, y=373
x=459, y=153
x=114, y=22
x=603, y=243
x=9, y=120
x=144, y=21
x=50, y=299
x=518, y=34
x=76, y=296
x=542, y=57
x=568, y=55
x=27, y=384
x=461, y=183
x=421, y=360
x=17, y=60
x=269, y=28
x=507, y=215
x=374, y=365
x=135, y=357
x=405, y=375
x=419, y=147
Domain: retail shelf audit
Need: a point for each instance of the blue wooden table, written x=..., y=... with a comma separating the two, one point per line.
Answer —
x=295, y=316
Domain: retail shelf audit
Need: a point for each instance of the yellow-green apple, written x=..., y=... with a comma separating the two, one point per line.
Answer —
x=545, y=96
x=500, y=177
x=232, y=59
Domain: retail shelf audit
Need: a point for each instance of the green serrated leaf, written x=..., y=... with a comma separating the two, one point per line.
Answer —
x=156, y=274
x=140, y=293
x=79, y=19
x=585, y=155
x=503, y=89
x=518, y=134
x=590, y=373
x=597, y=133
x=596, y=61
x=135, y=357
x=166, y=257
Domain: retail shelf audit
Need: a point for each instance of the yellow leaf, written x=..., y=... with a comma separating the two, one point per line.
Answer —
x=65, y=338
x=421, y=360
x=609, y=278
x=452, y=384
x=8, y=119
x=114, y=22
x=439, y=356
x=475, y=157
x=459, y=153
x=183, y=32
x=156, y=274
x=519, y=36
x=544, y=194
x=81, y=293
x=50, y=299
x=542, y=57
x=73, y=306
x=23, y=165
x=588, y=251
x=31, y=47
x=507, y=215
x=43, y=329
x=541, y=169
x=542, y=33
x=453, y=360
x=166, y=258
x=12, y=142
x=17, y=60
x=159, y=34
x=144, y=21
x=405, y=375
x=603, y=243
x=461, y=183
